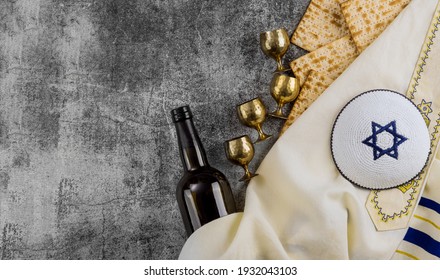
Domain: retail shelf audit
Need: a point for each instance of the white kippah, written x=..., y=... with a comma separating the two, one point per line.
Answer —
x=380, y=140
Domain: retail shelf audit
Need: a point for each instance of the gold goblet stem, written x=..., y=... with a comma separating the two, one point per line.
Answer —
x=278, y=113
x=247, y=174
x=280, y=66
x=261, y=135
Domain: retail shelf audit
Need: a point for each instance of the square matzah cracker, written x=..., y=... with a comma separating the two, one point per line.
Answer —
x=314, y=85
x=321, y=24
x=366, y=19
x=331, y=60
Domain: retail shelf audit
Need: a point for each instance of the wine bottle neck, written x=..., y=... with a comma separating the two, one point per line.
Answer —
x=191, y=150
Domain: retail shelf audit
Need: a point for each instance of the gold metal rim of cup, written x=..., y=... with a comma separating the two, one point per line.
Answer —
x=272, y=31
x=250, y=100
x=281, y=73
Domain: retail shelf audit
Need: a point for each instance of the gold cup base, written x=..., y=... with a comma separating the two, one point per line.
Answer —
x=278, y=115
x=263, y=137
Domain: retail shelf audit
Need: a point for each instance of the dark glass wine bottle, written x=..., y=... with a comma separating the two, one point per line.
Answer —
x=203, y=193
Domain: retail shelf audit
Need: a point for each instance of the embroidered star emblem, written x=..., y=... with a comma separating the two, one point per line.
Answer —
x=425, y=107
x=384, y=140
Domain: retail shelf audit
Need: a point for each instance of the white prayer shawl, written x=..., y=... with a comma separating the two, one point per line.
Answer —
x=300, y=207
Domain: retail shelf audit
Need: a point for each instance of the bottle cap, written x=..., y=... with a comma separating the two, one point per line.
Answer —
x=181, y=113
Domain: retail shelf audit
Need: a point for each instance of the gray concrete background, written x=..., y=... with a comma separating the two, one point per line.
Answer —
x=88, y=153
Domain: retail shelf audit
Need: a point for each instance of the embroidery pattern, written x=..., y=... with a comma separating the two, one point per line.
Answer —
x=372, y=141
x=425, y=108
x=423, y=57
x=406, y=187
x=405, y=211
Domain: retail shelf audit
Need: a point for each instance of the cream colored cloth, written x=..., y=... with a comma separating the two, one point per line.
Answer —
x=300, y=207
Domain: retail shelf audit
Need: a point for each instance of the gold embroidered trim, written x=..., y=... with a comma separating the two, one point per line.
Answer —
x=423, y=57
x=385, y=216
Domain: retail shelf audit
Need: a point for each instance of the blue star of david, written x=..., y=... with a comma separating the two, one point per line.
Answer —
x=390, y=128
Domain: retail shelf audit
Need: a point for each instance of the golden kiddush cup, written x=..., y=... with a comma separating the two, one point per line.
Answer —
x=284, y=89
x=252, y=113
x=240, y=151
x=275, y=44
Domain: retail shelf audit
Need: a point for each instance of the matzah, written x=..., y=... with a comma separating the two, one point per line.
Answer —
x=366, y=19
x=331, y=60
x=321, y=24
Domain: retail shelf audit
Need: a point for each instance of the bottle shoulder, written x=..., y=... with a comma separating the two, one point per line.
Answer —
x=204, y=170
x=206, y=174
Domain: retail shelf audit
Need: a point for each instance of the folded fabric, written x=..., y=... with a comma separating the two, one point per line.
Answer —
x=300, y=207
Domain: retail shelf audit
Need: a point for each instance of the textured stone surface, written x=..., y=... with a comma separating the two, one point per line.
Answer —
x=88, y=153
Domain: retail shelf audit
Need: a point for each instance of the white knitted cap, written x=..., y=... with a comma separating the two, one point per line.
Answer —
x=380, y=140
